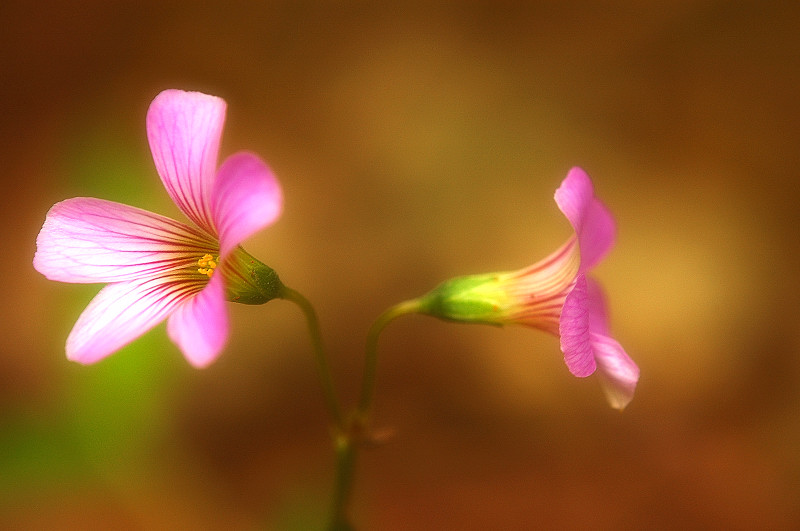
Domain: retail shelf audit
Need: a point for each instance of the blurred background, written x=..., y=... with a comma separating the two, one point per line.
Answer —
x=416, y=142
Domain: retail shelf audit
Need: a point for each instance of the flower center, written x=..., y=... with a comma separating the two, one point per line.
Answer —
x=207, y=265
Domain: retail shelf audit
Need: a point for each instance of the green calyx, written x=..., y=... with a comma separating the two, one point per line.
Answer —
x=248, y=281
x=468, y=299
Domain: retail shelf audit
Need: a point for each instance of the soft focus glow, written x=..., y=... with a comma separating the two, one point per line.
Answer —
x=406, y=139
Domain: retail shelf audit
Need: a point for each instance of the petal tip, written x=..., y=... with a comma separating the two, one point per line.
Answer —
x=619, y=375
x=199, y=327
x=79, y=353
x=589, y=217
x=184, y=131
x=201, y=362
x=172, y=97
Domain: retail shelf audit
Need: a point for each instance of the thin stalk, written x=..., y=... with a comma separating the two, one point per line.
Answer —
x=348, y=442
x=342, y=439
x=345, y=446
x=348, y=435
x=371, y=360
x=323, y=369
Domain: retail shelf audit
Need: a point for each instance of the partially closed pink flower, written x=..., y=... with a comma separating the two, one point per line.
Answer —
x=158, y=268
x=554, y=295
x=585, y=337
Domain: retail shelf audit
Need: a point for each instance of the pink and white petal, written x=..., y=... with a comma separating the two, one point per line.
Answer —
x=184, y=130
x=92, y=240
x=591, y=220
x=200, y=325
x=574, y=331
x=246, y=198
x=122, y=312
x=617, y=371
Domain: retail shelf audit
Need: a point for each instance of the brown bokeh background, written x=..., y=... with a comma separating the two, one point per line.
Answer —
x=417, y=142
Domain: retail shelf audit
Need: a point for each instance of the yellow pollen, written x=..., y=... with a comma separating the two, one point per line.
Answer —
x=207, y=265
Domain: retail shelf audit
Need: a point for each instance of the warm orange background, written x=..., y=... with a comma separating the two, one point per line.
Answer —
x=414, y=144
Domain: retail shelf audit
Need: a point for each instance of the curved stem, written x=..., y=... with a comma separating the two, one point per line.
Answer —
x=371, y=360
x=323, y=368
x=348, y=441
x=348, y=435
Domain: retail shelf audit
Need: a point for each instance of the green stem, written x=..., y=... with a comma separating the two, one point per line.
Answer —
x=342, y=432
x=319, y=353
x=345, y=446
x=371, y=360
x=349, y=441
x=348, y=435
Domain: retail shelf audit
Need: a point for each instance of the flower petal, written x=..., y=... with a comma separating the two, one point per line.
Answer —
x=246, y=198
x=598, y=308
x=92, y=240
x=589, y=217
x=121, y=312
x=618, y=373
x=538, y=291
x=200, y=325
x=574, y=330
x=184, y=130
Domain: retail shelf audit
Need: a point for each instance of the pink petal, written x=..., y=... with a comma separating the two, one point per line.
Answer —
x=618, y=373
x=92, y=240
x=598, y=308
x=184, y=130
x=200, y=325
x=574, y=331
x=246, y=198
x=121, y=312
x=589, y=217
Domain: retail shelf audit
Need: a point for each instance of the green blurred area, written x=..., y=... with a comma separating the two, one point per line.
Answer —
x=417, y=142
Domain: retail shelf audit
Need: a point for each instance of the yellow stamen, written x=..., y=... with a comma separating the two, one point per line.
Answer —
x=207, y=265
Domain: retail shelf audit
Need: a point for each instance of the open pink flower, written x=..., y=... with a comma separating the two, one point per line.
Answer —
x=158, y=268
x=554, y=295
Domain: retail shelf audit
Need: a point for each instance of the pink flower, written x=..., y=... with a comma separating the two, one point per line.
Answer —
x=158, y=268
x=554, y=295
x=583, y=325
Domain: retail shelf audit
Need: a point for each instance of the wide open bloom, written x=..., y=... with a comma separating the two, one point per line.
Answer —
x=554, y=295
x=158, y=268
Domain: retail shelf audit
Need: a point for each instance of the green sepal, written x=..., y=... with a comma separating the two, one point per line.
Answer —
x=248, y=281
x=468, y=299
